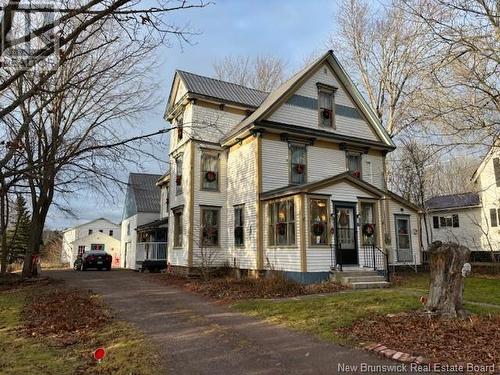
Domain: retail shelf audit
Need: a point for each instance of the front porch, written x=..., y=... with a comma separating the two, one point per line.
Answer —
x=151, y=248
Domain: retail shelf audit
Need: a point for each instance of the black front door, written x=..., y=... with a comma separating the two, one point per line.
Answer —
x=345, y=233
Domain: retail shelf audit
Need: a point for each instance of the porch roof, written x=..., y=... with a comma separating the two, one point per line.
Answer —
x=311, y=187
x=152, y=225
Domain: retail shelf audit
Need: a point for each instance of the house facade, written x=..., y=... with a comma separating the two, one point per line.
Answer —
x=291, y=180
x=143, y=226
x=99, y=234
x=471, y=219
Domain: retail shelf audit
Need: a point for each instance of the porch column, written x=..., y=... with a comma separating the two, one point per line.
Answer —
x=302, y=223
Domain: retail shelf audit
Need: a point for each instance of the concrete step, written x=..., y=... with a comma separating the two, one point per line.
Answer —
x=369, y=284
x=356, y=273
x=355, y=279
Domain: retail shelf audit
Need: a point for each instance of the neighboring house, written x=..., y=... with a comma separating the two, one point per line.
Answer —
x=99, y=234
x=143, y=231
x=471, y=219
x=290, y=180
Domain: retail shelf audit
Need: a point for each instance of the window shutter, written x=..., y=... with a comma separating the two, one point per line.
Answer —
x=435, y=222
x=496, y=167
x=493, y=217
x=456, y=223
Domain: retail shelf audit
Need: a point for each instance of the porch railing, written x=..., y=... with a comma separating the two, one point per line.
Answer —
x=151, y=251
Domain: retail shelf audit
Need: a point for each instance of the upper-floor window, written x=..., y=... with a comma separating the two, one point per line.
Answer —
x=239, y=233
x=111, y=232
x=178, y=175
x=493, y=217
x=210, y=226
x=100, y=230
x=90, y=231
x=210, y=171
x=128, y=229
x=298, y=164
x=326, y=107
x=282, y=223
x=496, y=168
x=354, y=164
x=180, y=128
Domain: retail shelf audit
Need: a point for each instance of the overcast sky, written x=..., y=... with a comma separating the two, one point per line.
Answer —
x=290, y=29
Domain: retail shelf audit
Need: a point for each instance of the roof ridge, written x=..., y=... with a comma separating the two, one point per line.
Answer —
x=453, y=195
x=221, y=80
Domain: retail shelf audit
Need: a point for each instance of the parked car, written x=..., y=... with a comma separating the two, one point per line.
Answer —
x=93, y=259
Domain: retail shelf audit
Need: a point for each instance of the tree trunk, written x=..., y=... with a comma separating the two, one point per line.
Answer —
x=447, y=282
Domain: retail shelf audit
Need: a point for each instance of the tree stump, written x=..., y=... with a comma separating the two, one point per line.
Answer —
x=447, y=283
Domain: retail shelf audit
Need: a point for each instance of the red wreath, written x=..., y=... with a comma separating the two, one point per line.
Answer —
x=178, y=179
x=326, y=114
x=356, y=173
x=369, y=230
x=300, y=168
x=318, y=229
x=210, y=176
x=281, y=228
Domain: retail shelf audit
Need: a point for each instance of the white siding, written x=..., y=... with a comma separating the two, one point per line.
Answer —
x=131, y=238
x=111, y=245
x=209, y=124
x=345, y=192
x=282, y=258
x=397, y=209
x=294, y=115
x=274, y=164
x=241, y=189
x=373, y=170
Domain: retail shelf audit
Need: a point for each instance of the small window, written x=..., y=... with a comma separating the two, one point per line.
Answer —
x=442, y=221
x=210, y=171
x=449, y=222
x=90, y=231
x=178, y=228
x=367, y=223
x=456, y=223
x=298, y=164
x=100, y=231
x=496, y=167
x=318, y=222
x=81, y=250
x=326, y=112
x=493, y=217
x=178, y=176
x=282, y=223
x=180, y=128
x=111, y=232
x=435, y=222
x=210, y=226
x=128, y=229
x=239, y=232
x=354, y=164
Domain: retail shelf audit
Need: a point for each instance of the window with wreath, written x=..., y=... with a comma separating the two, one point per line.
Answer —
x=298, y=159
x=210, y=171
x=318, y=222
x=367, y=223
x=326, y=112
x=178, y=175
x=354, y=164
x=239, y=232
x=210, y=226
x=178, y=228
x=281, y=223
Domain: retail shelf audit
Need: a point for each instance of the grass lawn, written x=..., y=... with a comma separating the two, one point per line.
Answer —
x=127, y=352
x=321, y=316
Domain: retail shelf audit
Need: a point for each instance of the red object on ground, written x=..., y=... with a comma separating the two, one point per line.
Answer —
x=99, y=354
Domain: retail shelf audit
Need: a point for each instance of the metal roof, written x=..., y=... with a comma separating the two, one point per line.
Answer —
x=453, y=201
x=226, y=91
x=146, y=193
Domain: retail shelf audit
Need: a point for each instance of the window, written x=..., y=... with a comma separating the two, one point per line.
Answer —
x=496, y=167
x=493, y=217
x=111, y=232
x=96, y=246
x=128, y=229
x=81, y=250
x=354, y=164
x=90, y=231
x=297, y=164
x=367, y=223
x=442, y=221
x=282, y=223
x=210, y=226
x=178, y=176
x=456, y=223
x=326, y=112
x=210, y=171
x=435, y=222
x=239, y=221
x=318, y=222
x=178, y=228
x=100, y=230
x=180, y=128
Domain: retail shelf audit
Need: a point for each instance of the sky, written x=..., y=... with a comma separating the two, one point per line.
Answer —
x=289, y=29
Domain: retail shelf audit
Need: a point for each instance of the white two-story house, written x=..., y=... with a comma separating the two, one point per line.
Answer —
x=471, y=219
x=291, y=180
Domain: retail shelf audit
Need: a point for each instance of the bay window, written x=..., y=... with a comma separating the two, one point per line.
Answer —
x=210, y=226
x=318, y=222
x=281, y=223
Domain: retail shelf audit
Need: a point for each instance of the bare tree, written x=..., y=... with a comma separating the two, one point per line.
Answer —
x=387, y=55
x=264, y=73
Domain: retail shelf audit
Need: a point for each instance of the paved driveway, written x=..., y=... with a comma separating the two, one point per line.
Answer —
x=196, y=336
